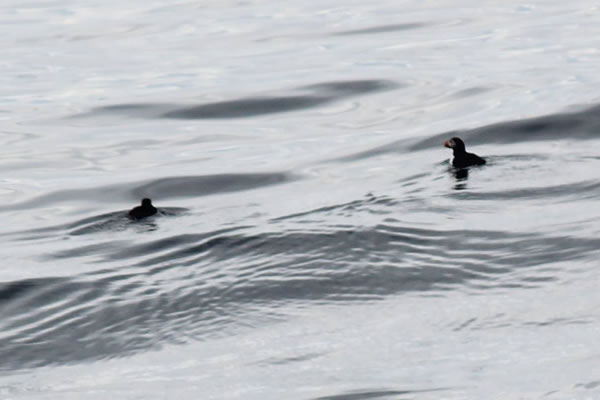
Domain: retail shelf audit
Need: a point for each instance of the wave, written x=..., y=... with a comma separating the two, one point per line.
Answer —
x=382, y=29
x=578, y=125
x=196, y=286
x=318, y=94
x=375, y=394
x=160, y=189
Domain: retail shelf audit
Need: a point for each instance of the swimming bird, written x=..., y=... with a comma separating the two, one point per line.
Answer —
x=143, y=211
x=461, y=158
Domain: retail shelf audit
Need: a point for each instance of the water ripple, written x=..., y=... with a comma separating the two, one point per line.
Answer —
x=193, y=285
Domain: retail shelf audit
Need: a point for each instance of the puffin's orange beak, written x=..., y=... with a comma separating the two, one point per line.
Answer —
x=447, y=143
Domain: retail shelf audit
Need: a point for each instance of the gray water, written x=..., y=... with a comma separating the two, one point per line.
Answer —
x=312, y=242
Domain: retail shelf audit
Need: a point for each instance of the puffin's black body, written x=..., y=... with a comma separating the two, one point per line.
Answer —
x=143, y=211
x=462, y=159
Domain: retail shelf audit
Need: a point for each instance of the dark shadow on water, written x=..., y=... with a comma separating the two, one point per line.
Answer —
x=160, y=189
x=579, y=125
x=11, y=290
x=472, y=91
x=378, y=394
x=373, y=394
x=246, y=107
x=192, y=186
x=307, y=97
x=382, y=29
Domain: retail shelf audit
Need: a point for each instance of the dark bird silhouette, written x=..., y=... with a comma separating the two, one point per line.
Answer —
x=143, y=211
x=461, y=158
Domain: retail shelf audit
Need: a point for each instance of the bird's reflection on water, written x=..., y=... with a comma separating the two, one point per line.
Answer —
x=461, y=175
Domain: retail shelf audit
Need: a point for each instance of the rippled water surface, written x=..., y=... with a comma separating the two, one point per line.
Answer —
x=311, y=241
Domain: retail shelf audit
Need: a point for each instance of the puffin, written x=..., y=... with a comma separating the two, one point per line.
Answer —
x=144, y=210
x=461, y=158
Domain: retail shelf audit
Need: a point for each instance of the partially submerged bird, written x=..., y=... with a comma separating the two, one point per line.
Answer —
x=461, y=158
x=143, y=211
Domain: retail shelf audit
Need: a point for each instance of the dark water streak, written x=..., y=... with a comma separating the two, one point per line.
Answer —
x=383, y=29
x=160, y=189
x=312, y=96
x=579, y=125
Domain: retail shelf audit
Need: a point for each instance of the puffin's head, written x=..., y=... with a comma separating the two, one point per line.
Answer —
x=146, y=202
x=455, y=143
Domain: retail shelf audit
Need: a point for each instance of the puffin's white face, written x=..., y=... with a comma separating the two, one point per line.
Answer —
x=449, y=143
